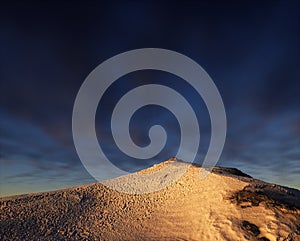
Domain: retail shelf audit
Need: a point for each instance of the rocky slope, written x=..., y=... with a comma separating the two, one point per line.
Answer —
x=227, y=205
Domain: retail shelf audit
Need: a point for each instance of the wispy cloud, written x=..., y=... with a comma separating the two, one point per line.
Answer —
x=30, y=156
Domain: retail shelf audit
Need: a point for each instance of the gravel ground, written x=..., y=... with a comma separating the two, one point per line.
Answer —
x=227, y=205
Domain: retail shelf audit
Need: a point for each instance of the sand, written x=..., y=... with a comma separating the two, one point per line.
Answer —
x=227, y=205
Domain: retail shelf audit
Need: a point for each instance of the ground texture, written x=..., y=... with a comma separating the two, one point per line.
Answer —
x=226, y=205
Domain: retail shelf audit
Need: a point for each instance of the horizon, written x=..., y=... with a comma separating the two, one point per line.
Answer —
x=4, y=195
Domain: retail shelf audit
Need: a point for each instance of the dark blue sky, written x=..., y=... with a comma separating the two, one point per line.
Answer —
x=251, y=50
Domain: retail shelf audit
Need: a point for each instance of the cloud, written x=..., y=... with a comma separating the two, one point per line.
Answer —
x=30, y=155
x=264, y=146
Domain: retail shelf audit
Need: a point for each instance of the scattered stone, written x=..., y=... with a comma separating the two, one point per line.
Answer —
x=263, y=239
x=250, y=228
x=95, y=212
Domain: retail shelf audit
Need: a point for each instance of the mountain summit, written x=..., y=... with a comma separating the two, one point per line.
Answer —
x=226, y=205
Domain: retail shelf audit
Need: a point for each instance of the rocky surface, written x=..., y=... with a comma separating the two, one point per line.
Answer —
x=227, y=205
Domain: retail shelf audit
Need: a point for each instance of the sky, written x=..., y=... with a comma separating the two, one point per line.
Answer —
x=251, y=51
